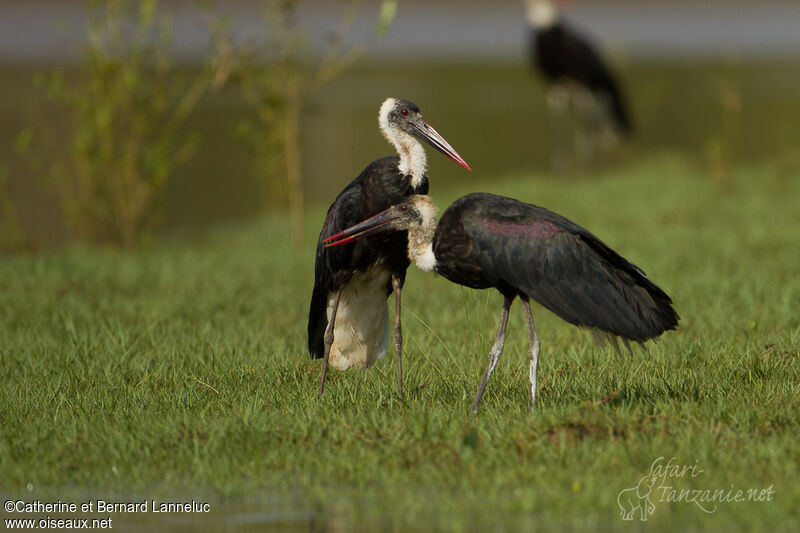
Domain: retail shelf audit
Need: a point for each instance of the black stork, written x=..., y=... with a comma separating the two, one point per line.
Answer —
x=573, y=67
x=348, y=320
x=522, y=250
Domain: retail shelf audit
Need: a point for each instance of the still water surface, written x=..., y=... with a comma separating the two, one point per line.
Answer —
x=494, y=114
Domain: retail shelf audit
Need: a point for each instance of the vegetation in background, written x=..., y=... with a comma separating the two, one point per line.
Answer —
x=278, y=75
x=179, y=371
x=124, y=110
x=678, y=102
x=10, y=231
x=722, y=150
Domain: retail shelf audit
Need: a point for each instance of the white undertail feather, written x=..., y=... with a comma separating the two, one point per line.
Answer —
x=361, y=331
x=413, y=161
x=420, y=247
x=542, y=14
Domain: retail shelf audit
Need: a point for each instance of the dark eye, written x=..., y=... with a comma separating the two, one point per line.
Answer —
x=404, y=111
x=403, y=207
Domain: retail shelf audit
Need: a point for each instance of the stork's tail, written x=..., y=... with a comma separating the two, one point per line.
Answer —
x=646, y=314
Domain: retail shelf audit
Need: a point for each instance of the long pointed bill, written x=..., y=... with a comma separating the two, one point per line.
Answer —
x=362, y=229
x=432, y=137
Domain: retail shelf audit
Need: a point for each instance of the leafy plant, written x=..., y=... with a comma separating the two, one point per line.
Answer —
x=278, y=75
x=123, y=114
x=10, y=232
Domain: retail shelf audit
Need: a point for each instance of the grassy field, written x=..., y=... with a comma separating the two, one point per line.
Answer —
x=181, y=372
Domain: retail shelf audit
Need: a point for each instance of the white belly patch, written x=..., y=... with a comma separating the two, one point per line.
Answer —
x=361, y=331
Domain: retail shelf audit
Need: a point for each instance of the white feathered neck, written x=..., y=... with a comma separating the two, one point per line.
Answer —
x=413, y=161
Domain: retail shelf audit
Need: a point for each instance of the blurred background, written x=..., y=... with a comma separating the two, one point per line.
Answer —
x=165, y=167
x=124, y=120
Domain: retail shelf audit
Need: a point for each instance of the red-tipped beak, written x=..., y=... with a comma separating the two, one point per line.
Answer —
x=428, y=134
x=362, y=229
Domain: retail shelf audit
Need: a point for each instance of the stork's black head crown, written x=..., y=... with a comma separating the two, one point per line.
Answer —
x=403, y=124
x=403, y=216
x=401, y=114
x=542, y=14
x=418, y=210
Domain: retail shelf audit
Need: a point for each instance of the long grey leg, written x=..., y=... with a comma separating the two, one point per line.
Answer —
x=494, y=353
x=398, y=334
x=534, y=353
x=328, y=338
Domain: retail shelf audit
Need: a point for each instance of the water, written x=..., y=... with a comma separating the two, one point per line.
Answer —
x=494, y=114
x=711, y=81
x=50, y=30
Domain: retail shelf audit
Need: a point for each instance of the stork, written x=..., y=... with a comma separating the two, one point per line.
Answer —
x=575, y=72
x=522, y=250
x=348, y=319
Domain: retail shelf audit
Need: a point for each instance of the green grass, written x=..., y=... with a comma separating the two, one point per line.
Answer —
x=182, y=370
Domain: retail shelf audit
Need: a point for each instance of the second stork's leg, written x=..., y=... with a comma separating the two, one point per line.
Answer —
x=558, y=104
x=534, y=352
x=398, y=333
x=328, y=339
x=494, y=353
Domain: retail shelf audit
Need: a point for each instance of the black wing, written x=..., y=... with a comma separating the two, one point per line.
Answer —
x=564, y=55
x=379, y=186
x=328, y=269
x=567, y=269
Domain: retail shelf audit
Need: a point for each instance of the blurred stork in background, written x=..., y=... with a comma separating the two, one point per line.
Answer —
x=579, y=83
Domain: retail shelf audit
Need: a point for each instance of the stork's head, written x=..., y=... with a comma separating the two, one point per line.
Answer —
x=403, y=125
x=541, y=14
x=417, y=213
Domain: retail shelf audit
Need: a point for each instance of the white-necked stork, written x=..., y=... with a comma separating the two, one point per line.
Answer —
x=348, y=320
x=522, y=250
x=573, y=67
